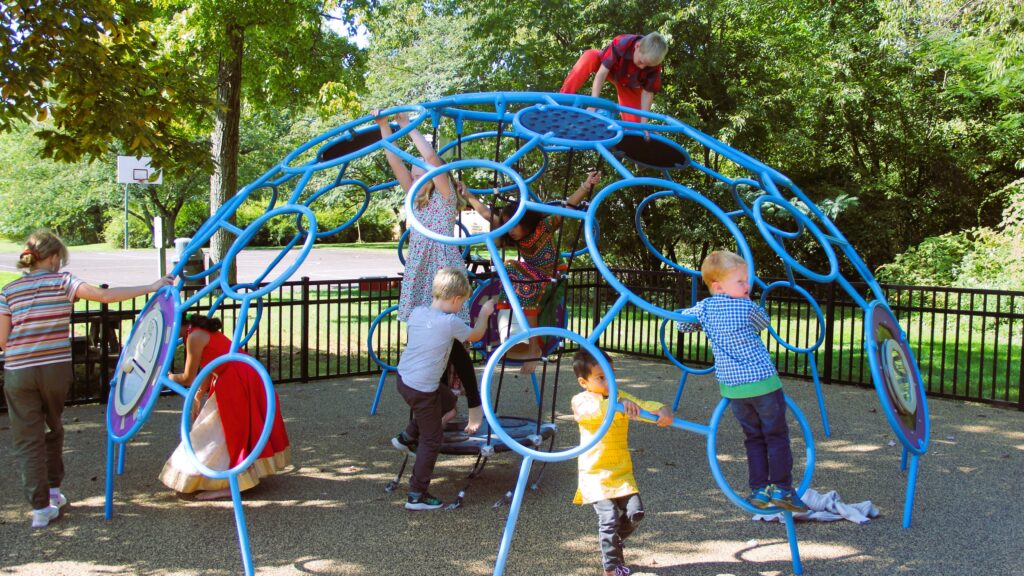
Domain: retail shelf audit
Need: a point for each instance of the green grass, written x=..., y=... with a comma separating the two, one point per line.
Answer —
x=6, y=277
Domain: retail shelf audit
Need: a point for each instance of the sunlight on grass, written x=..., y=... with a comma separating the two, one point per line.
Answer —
x=7, y=277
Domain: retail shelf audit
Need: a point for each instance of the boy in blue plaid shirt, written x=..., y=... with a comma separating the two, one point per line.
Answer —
x=747, y=377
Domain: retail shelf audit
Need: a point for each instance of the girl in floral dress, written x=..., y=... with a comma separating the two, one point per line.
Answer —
x=437, y=207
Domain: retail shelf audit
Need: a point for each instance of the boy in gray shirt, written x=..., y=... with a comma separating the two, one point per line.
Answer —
x=431, y=331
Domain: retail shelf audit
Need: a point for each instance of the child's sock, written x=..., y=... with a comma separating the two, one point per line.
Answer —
x=57, y=500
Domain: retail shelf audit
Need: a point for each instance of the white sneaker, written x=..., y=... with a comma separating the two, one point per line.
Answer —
x=41, y=518
x=59, y=502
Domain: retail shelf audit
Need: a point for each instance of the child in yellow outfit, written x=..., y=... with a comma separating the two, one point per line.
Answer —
x=606, y=471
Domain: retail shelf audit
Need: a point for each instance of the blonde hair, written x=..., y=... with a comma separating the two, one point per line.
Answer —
x=654, y=47
x=450, y=282
x=428, y=189
x=41, y=245
x=423, y=196
x=720, y=264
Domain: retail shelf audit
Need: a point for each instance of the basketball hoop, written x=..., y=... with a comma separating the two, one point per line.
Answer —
x=132, y=170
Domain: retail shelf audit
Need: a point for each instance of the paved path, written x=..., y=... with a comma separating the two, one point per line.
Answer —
x=331, y=515
x=128, y=267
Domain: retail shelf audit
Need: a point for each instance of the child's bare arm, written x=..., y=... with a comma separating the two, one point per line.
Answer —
x=398, y=167
x=646, y=99
x=480, y=328
x=477, y=204
x=592, y=180
x=630, y=409
x=599, y=78
x=428, y=153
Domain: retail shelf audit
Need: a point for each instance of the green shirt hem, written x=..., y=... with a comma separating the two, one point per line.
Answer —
x=751, y=389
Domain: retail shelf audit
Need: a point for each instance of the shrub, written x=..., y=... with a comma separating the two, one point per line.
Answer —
x=139, y=235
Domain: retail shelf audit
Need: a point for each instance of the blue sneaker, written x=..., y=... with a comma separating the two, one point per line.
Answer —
x=787, y=500
x=761, y=498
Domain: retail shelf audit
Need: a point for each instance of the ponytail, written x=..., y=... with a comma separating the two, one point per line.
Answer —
x=39, y=246
x=204, y=322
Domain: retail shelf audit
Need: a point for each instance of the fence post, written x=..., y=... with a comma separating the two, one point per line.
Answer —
x=829, y=327
x=1020, y=378
x=304, y=345
x=682, y=286
x=104, y=351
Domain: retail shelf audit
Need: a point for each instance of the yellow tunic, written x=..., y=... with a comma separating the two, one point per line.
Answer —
x=606, y=470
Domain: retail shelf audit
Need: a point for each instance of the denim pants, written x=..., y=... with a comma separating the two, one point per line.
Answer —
x=617, y=518
x=769, y=458
x=35, y=402
x=425, y=427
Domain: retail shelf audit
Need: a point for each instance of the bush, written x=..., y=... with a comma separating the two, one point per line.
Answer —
x=375, y=225
x=190, y=218
x=139, y=235
x=935, y=262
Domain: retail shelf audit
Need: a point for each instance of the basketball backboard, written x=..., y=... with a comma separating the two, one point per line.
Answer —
x=132, y=170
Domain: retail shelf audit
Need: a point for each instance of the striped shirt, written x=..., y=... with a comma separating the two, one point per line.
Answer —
x=39, y=304
x=732, y=326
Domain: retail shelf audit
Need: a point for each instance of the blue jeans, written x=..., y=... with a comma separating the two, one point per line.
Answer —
x=769, y=458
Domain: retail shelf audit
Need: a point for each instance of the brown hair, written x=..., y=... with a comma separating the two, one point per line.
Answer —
x=204, y=322
x=41, y=245
x=583, y=362
x=529, y=222
x=720, y=264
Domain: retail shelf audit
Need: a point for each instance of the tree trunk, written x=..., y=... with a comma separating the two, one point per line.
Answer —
x=224, y=181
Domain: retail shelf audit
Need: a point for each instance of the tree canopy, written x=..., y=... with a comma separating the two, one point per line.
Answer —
x=902, y=117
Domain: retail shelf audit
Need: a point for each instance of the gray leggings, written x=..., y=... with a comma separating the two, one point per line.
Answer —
x=617, y=518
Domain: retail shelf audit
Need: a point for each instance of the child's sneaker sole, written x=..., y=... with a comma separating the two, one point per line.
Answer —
x=402, y=447
x=422, y=506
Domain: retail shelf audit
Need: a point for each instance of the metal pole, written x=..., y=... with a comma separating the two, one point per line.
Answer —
x=126, y=216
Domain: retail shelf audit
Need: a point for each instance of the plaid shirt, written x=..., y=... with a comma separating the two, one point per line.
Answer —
x=617, y=57
x=732, y=326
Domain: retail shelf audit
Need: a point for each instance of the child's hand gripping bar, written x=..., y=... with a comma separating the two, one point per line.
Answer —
x=676, y=422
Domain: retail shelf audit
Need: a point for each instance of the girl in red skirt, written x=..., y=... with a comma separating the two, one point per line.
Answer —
x=225, y=429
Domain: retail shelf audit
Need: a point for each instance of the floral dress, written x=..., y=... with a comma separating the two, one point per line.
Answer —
x=426, y=256
x=538, y=259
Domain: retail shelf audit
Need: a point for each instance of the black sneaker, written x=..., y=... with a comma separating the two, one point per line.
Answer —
x=424, y=501
x=404, y=445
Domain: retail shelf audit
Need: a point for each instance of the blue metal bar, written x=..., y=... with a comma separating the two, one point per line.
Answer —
x=513, y=515
x=908, y=504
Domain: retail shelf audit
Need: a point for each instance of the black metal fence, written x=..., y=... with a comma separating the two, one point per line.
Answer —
x=968, y=342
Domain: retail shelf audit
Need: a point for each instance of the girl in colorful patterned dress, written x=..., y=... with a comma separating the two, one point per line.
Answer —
x=227, y=426
x=534, y=237
x=437, y=207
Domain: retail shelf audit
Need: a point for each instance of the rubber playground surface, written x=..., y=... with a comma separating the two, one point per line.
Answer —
x=331, y=515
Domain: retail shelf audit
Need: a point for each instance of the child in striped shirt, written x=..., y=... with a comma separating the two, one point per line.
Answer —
x=35, y=318
x=747, y=377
